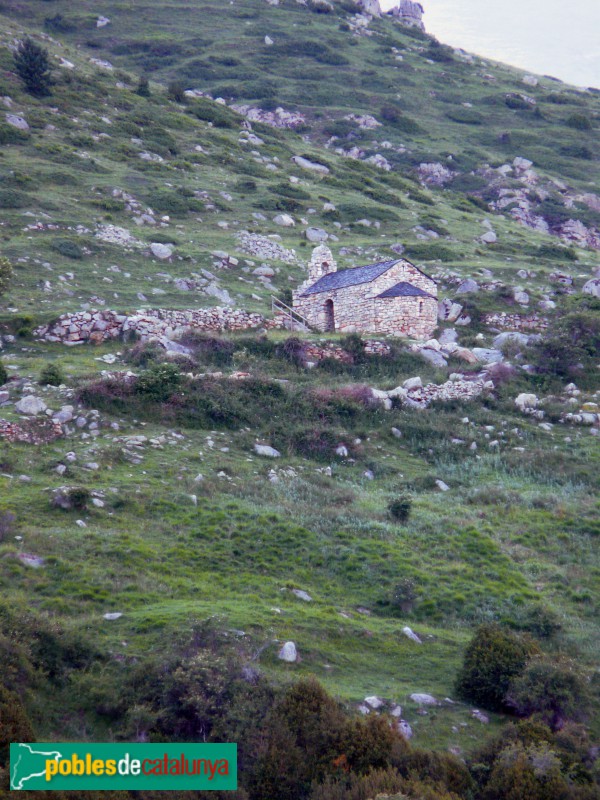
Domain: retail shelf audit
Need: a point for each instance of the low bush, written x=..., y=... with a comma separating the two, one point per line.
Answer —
x=579, y=122
x=67, y=248
x=159, y=382
x=52, y=375
x=400, y=508
x=465, y=116
x=11, y=198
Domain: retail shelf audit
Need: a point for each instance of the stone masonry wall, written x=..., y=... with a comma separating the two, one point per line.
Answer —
x=406, y=316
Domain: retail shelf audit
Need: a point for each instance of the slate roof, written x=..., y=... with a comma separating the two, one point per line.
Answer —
x=404, y=289
x=349, y=277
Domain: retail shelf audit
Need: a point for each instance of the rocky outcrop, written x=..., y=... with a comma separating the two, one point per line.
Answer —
x=409, y=13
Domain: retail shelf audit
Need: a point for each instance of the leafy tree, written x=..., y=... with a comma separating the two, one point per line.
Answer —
x=556, y=691
x=492, y=659
x=33, y=67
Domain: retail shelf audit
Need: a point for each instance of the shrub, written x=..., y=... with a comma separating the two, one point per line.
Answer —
x=159, y=382
x=6, y=273
x=10, y=198
x=67, y=248
x=3, y=374
x=465, y=116
x=517, y=102
x=143, y=87
x=33, y=67
x=15, y=725
x=555, y=691
x=52, y=375
x=439, y=52
x=493, y=658
x=400, y=508
x=58, y=24
x=79, y=497
x=11, y=135
x=7, y=523
x=580, y=122
x=176, y=92
x=574, y=339
x=220, y=116
x=293, y=350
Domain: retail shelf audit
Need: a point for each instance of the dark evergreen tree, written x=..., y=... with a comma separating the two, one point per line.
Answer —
x=33, y=67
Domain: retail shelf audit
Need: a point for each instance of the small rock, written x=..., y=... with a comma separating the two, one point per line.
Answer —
x=374, y=701
x=266, y=450
x=111, y=615
x=443, y=487
x=161, y=251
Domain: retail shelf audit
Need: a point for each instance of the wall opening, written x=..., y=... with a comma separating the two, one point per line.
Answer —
x=420, y=306
x=329, y=316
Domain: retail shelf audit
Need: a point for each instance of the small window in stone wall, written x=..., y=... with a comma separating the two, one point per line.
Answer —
x=420, y=306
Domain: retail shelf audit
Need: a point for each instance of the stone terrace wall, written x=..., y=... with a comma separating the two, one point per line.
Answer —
x=100, y=326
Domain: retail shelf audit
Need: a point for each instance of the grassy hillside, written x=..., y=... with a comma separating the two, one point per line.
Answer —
x=181, y=526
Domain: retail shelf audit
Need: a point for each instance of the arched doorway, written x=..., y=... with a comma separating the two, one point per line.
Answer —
x=329, y=316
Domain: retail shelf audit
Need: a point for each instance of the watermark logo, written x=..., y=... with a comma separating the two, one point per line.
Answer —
x=75, y=766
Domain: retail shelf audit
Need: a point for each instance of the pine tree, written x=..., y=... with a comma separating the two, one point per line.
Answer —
x=33, y=67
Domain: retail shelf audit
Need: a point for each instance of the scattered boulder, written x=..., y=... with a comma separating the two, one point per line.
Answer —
x=424, y=699
x=31, y=405
x=489, y=237
x=443, y=487
x=17, y=122
x=467, y=287
x=305, y=163
x=285, y=220
x=526, y=401
x=302, y=595
x=161, y=251
x=374, y=702
x=409, y=633
x=592, y=287
x=266, y=450
x=316, y=235
x=288, y=653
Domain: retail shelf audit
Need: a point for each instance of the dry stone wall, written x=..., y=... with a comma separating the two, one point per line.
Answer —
x=100, y=326
x=516, y=322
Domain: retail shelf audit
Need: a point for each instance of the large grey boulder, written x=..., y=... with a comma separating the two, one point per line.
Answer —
x=525, y=401
x=592, y=287
x=17, y=122
x=435, y=358
x=316, y=235
x=510, y=336
x=31, y=405
x=487, y=355
x=284, y=220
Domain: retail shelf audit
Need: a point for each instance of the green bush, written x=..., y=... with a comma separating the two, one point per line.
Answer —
x=580, y=122
x=6, y=274
x=67, y=248
x=3, y=374
x=176, y=91
x=493, y=658
x=400, y=508
x=11, y=135
x=465, y=116
x=159, y=382
x=52, y=375
x=553, y=690
x=10, y=198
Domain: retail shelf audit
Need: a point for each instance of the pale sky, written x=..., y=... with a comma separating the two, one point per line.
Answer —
x=550, y=37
